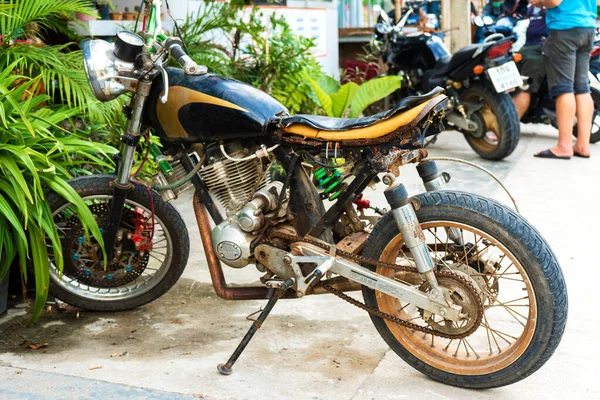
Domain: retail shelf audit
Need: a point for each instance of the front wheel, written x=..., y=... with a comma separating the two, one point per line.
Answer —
x=520, y=285
x=140, y=272
x=498, y=128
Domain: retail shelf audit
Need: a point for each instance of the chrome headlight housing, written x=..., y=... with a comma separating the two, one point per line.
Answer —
x=109, y=76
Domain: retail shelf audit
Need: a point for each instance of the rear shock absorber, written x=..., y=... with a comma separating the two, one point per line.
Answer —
x=331, y=180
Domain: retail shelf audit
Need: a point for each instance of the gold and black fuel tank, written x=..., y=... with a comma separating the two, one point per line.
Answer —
x=209, y=108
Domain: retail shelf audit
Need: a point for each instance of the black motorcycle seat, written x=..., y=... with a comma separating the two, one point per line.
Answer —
x=345, y=124
x=447, y=63
x=408, y=111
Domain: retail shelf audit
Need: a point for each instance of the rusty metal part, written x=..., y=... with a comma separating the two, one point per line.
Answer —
x=214, y=265
x=353, y=243
x=461, y=296
x=356, y=224
x=467, y=285
x=339, y=283
x=396, y=158
x=274, y=260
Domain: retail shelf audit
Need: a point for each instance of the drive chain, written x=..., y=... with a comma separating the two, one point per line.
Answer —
x=373, y=311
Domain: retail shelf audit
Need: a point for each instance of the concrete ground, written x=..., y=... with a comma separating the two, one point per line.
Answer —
x=319, y=347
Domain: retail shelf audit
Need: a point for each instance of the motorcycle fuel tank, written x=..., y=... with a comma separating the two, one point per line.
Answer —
x=210, y=108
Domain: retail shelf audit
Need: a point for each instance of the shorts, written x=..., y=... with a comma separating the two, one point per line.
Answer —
x=567, y=60
x=532, y=66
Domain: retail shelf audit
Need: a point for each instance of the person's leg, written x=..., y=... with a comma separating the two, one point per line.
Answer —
x=560, y=59
x=522, y=101
x=585, y=104
x=585, y=113
x=565, y=115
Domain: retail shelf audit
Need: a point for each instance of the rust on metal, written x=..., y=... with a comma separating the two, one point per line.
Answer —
x=214, y=265
x=396, y=158
x=353, y=243
x=339, y=283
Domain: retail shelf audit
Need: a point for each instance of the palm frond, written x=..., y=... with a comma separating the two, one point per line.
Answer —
x=34, y=155
x=20, y=15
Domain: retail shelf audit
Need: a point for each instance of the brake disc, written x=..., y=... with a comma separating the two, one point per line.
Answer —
x=83, y=259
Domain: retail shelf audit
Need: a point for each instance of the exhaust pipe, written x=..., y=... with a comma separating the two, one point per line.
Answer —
x=227, y=292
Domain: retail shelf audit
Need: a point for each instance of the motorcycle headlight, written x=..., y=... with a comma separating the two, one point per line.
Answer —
x=109, y=76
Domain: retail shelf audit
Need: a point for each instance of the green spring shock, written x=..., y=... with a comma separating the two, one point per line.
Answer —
x=331, y=181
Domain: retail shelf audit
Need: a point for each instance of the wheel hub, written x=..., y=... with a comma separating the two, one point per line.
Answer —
x=462, y=296
x=83, y=259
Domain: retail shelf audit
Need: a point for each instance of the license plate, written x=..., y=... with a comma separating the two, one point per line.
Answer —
x=505, y=77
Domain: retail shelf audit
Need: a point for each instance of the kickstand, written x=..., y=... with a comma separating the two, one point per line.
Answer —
x=274, y=295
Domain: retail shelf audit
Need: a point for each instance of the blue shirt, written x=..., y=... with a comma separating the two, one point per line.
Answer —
x=572, y=14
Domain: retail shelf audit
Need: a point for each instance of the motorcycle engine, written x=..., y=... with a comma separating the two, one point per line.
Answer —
x=248, y=200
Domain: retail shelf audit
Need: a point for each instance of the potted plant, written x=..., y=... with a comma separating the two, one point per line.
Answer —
x=129, y=15
x=116, y=16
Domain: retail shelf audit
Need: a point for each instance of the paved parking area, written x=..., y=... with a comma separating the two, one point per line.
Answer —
x=318, y=347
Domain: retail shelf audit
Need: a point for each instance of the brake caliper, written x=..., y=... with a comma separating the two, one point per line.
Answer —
x=141, y=241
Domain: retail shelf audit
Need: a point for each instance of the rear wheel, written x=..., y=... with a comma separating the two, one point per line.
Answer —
x=498, y=130
x=514, y=271
x=595, y=134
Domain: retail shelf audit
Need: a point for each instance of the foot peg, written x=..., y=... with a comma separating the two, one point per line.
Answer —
x=274, y=294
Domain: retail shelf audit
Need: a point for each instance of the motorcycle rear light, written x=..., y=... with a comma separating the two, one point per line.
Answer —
x=517, y=57
x=499, y=50
x=478, y=69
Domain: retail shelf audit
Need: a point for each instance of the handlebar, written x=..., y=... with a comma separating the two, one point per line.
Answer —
x=173, y=47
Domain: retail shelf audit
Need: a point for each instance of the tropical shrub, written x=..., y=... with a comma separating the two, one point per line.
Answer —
x=22, y=24
x=241, y=43
x=36, y=154
x=351, y=99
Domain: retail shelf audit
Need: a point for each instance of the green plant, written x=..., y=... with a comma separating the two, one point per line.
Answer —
x=35, y=156
x=22, y=22
x=264, y=52
x=351, y=99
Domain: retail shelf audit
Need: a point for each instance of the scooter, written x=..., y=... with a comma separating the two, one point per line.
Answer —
x=476, y=78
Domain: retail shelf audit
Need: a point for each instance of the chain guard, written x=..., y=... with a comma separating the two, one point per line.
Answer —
x=83, y=262
x=475, y=320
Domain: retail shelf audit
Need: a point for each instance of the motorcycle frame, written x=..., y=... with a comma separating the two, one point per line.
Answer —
x=203, y=204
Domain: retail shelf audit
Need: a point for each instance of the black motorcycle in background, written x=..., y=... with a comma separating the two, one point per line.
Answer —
x=476, y=79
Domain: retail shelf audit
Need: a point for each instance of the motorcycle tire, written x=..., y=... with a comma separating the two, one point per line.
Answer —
x=101, y=291
x=595, y=134
x=500, y=129
x=505, y=358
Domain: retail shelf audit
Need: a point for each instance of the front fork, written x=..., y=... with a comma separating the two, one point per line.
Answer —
x=122, y=185
x=408, y=223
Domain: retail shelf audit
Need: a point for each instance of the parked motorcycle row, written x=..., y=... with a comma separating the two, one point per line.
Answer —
x=479, y=80
x=441, y=273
